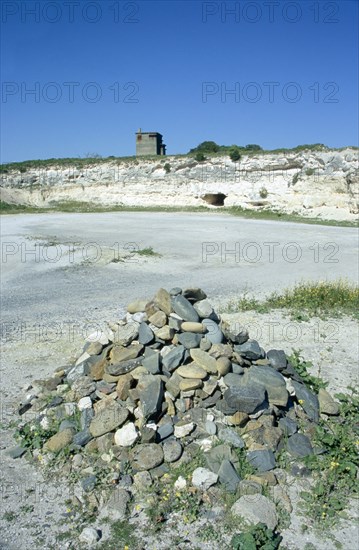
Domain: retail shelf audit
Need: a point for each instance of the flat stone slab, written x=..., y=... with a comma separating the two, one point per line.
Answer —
x=146, y=456
x=246, y=398
x=256, y=509
x=108, y=419
x=262, y=460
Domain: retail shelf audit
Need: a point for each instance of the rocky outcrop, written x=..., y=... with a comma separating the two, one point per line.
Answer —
x=324, y=183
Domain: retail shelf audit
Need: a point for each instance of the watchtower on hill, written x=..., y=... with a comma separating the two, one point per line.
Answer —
x=149, y=143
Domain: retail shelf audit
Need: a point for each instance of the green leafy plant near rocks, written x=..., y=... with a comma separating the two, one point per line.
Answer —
x=301, y=366
x=256, y=537
x=335, y=469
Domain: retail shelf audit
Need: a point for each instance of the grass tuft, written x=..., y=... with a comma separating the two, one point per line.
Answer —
x=318, y=299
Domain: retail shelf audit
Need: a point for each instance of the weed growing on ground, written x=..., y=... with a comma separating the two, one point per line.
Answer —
x=257, y=536
x=301, y=366
x=306, y=300
x=335, y=468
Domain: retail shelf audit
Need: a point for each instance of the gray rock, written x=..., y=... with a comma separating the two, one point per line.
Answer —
x=126, y=334
x=145, y=334
x=82, y=438
x=150, y=391
x=231, y=379
x=228, y=476
x=309, y=401
x=229, y=435
x=263, y=460
x=184, y=309
x=86, y=417
x=123, y=367
x=172, y=359
x=248, y=487
x=175, y=291
x=194, y=294
x=108, y=419
x=165, y=430
x=214, y=457
x=152, y=362
x=288, y=426
x=189, y=339
x=88, y=483
x=146, y=456
x=67, y=424
x=77, y=372
x=117, y=506
x=299, y=445
x=214, y=333
x=235, y=333
x=256, y=509
x=16, y=452
x=272, y=381
x=210, y=427
x=277, y=359
x=89, y=536
x=172, y=450
x=250, y=350
x=327, y=404
x=237, y=369
x=246, y=398
x=203, y=308
x=204, y=479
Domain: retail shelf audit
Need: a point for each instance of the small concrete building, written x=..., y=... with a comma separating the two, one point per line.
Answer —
x=149, y=143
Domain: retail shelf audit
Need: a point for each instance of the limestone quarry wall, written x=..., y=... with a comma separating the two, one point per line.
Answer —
x=324, y=184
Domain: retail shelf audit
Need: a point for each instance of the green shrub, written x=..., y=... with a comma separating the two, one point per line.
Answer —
x=309, y=171
x=263, y=193
x=200, y=157
x=167, y=167
x=235, y=155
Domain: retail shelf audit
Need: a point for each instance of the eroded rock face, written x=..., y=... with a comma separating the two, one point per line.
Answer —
x=308, y=182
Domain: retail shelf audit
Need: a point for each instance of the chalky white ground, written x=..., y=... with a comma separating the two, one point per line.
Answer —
x=49, y=307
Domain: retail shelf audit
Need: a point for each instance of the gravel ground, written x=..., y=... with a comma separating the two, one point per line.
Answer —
x=49, y=308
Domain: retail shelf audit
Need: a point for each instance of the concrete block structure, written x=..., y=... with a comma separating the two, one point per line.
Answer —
x=149, y=143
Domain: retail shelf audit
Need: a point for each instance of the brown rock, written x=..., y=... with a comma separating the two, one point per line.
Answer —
x=59, y=441
x=94, y=348
x=158, y=319
x=190, y=384
x=219, y=350
x=121, y=353
x=189, y=326
x=223, y=365
x=165, y=333
x=97, y=370
x=238, y=419
x=125, y=383
x=137, y=306
x=162, y=300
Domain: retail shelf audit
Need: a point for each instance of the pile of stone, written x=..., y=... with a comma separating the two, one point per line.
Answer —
x=169, y=375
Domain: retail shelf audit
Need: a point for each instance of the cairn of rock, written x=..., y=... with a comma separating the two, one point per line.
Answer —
x=169, y=375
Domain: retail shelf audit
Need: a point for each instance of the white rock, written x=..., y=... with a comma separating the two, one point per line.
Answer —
x=45, y=423
x=182, y=431
x=126, y=436
x=256, y=509
x=180, y=483
x=89, y=536
x=84, y=403
x=203, y=478
x=206, y=444
x=82, y=358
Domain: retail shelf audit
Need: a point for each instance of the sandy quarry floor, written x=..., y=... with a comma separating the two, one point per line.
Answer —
x=49, y=307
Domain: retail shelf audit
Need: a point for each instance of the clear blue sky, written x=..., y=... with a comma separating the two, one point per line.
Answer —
x=166, y=66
